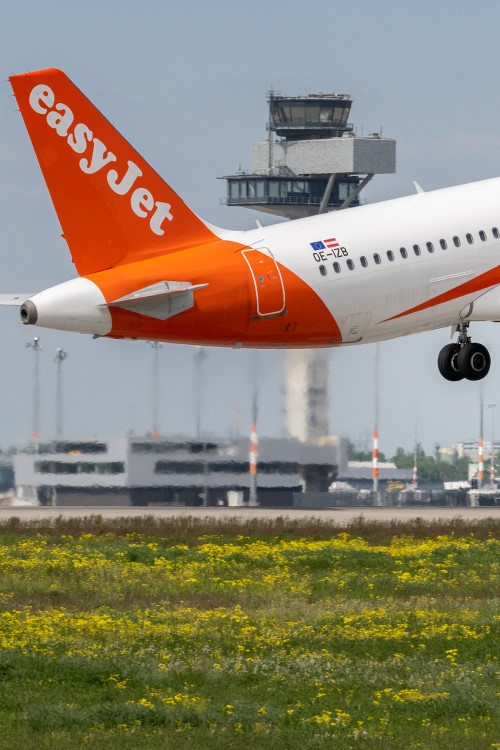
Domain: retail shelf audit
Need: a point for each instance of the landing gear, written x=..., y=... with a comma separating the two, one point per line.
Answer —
x=464, y=359
x=447, y=362
x=474, y=361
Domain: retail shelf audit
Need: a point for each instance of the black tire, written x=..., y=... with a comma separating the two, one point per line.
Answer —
x=448, y=364
x=474, y=361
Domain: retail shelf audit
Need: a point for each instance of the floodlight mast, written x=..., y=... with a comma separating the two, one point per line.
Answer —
x=36, y=348
x=480, y=451
x=254, y=442
x=376, y=497
x=200, y=356
x=155, y=433
x=492, y=465
x=415, y=458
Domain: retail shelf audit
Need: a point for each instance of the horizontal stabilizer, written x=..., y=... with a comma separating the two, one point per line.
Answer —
x=15, y=300
x=162, y=300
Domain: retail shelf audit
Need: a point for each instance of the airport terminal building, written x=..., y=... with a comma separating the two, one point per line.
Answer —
x=144, y=471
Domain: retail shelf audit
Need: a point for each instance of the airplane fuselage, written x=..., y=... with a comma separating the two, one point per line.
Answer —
x=416, y=263
x=149, y=268
x=378, y=271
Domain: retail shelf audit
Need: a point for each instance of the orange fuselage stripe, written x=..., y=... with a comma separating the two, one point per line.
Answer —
x=225, y=312
x=479, y=284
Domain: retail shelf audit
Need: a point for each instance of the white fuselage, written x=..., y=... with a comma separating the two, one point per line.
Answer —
x=364, y=298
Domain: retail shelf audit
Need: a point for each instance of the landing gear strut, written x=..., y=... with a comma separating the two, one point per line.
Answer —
x=464, y=359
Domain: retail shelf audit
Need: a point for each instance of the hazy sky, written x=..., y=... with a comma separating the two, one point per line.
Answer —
x=186, y=84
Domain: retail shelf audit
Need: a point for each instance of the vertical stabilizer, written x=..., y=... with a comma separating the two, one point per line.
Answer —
x=112, y=206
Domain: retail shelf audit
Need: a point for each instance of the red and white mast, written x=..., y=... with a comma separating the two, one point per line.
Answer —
x=492, y=465
x=480, y=452
x=254, y=442
x=375, y=431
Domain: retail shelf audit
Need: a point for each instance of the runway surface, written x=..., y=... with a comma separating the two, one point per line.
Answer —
x=339, y=515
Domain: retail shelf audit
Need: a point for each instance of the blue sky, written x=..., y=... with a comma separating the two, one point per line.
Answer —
x=186, y=83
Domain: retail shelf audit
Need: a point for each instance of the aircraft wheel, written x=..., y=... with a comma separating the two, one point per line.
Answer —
x=448, y=362
x=473, y=361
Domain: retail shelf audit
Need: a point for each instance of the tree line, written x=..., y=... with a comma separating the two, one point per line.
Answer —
x=430, y=469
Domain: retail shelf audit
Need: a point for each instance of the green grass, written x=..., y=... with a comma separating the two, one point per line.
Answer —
x=180, y=633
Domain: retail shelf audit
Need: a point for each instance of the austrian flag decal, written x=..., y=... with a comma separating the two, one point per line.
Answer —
x=322, y=244
x=324, y=249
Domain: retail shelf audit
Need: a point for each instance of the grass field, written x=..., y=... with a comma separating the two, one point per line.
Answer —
x=142, y=633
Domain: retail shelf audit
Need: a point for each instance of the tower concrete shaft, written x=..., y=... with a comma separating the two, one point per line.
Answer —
x=307, y=394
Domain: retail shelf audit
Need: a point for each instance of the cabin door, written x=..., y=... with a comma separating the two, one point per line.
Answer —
x=268, y=284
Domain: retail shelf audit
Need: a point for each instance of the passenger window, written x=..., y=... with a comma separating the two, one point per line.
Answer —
x=403, y=252
x=322, y=270
x=416, y=249
x=390, y=255
x=429, y=246
x=377, y=258
x=482, y=235
x=350, y=264
x=443, y=244
x=469, y=238
x=336, y=267
x=364, y=262
x=456, y=241
x=495, y=232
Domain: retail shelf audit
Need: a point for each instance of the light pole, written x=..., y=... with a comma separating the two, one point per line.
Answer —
x=415, y=467
x=492, y=467
x=36, y=347
x=156, y=387
x=480, y=452
x=254, y=444
x=375, y=472
x=59, y=359
x=200, y=355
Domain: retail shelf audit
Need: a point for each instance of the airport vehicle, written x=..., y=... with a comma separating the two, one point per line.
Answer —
x=149, y=268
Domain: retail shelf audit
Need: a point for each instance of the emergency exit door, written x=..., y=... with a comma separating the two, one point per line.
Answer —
x=269, y=289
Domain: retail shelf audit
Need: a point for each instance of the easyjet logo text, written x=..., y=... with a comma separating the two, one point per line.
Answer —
x=81, y=140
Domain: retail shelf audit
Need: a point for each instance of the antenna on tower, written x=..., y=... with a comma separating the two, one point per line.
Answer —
x=61, y=355
x=36, y=347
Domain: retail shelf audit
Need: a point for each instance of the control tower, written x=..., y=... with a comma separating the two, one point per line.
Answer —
x=312, y=161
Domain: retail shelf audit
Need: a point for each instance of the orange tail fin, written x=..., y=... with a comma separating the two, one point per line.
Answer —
x=112, y=206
